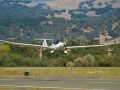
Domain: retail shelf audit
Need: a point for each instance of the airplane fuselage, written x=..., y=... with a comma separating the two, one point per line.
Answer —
x=58, y=45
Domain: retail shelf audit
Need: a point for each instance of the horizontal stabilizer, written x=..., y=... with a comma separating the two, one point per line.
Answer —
x=42, y=39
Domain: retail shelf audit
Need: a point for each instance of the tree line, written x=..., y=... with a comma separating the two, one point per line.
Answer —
x=22, y=56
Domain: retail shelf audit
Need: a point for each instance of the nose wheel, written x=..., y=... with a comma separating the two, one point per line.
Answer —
x=52, y=51
x=65, y=51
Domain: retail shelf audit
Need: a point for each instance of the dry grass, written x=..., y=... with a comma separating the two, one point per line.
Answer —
x=10, y=89
x=63, y=15
x=102, y=39
x=72, y=4
x=19, y=72
x=92, y=13
x=115, y=25
x=33, y=88
x=64, y=4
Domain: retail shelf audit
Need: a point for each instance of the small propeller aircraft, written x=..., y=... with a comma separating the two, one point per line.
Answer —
x=56, y=45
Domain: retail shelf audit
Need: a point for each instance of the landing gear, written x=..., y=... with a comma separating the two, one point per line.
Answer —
x=65, y=51
x=52, y=51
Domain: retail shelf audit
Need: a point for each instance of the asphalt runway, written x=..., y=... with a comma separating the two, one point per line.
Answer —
x=63, y=82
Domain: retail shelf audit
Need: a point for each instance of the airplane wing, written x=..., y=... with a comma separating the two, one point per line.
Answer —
x=31, y=45
x=73, y=47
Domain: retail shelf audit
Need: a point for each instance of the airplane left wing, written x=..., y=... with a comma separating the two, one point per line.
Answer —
x=31, y=45
x=73, y=47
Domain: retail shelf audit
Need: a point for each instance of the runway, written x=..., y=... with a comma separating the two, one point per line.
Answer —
x=63, y=82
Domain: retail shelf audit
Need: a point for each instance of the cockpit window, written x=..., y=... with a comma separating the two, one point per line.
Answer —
x=56, y=42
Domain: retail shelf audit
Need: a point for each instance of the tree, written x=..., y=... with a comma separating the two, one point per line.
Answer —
x=70, y=64
x=79, y=62
x=61, y=62
x=72, y=43
x=106, y=61
x=96, y=62
x=99, y=4
x=86, y=61
x=4, y=48
x=106, y=2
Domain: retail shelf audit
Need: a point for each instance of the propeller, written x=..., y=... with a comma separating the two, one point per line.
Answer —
x=62, y=40
x=64, y=44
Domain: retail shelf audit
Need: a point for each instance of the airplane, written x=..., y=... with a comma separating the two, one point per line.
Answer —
x=56, y=45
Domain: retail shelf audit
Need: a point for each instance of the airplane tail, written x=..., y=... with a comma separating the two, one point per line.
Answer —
x=44, y=40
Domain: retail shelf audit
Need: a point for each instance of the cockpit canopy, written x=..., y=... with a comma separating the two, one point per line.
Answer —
x=56, y=42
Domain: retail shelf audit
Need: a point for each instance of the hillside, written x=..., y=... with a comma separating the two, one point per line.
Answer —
x=27, y=29
x=74, y=4
x=83, y=20
x=69, y=9
x=77, y=4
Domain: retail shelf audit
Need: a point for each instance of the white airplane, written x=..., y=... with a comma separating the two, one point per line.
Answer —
x=56, y=45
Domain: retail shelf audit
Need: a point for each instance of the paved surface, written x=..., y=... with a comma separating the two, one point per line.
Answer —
x=74, y=82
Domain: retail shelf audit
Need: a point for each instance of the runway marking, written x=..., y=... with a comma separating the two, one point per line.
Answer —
x=7, y=79
x=37, y=87
x=48, y=87
x=47, y=78
x=102, y=82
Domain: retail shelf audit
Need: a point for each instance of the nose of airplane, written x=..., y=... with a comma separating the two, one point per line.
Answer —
x=63, y=45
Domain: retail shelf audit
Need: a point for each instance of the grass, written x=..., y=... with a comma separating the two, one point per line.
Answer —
x=19, y=72
x=33, y=88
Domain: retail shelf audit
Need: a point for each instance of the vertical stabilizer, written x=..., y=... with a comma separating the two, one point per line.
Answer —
x=44, y=42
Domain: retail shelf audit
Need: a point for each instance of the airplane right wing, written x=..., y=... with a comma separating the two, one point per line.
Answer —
x=73, y=47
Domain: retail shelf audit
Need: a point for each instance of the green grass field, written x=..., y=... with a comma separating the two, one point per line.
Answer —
x=98, y=71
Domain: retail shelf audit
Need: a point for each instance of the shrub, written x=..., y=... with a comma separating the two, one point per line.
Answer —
x=11, y=64
x=70, y=64
x=106, y=61
x=87, y=61
x=79, y=62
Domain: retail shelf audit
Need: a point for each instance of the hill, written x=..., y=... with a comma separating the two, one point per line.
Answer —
x=77, y=9
x=26, y=20
x=76, y=4
x=26, y=29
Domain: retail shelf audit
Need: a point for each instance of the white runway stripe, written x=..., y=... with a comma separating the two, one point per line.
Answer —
x=102, y=82
x=47, y=87
x=7, y=79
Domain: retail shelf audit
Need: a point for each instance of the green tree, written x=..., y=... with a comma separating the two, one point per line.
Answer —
x=86, y=61
x=99, y=4
x=72, y=43
x=107, y=61
x=70, y=64
x=4, y=48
